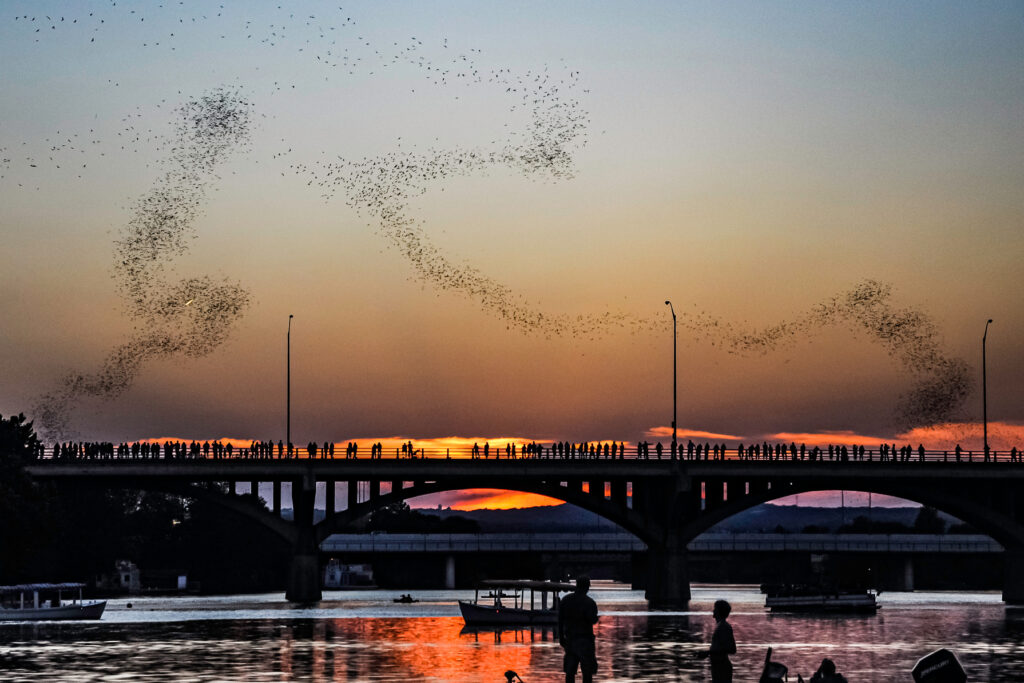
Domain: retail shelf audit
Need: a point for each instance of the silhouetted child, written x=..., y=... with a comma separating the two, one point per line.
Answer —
x=826, y=673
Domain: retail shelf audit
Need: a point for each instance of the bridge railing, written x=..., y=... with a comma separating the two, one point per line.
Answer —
x=489, y=542
x=894, y=543
x=773, y=453
x=625, y=542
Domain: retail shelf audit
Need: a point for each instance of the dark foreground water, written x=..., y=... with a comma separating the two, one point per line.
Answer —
x=366, y=637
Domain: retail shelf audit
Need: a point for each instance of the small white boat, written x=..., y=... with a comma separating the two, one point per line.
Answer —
x=804, y=599
x=22, y=603
x=525, y=602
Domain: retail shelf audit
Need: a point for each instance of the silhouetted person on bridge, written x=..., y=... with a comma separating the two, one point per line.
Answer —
x=723, y=644
x=577, y=614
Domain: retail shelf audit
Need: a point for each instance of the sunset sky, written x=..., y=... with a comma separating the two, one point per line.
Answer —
x=748, y=161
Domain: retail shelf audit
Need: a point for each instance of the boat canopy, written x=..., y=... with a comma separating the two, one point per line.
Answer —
x=40, y=587
x=532, y=585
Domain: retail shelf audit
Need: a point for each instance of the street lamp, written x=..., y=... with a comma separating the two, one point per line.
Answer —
x=675, y=414
x=288, y=427
x=984, y=390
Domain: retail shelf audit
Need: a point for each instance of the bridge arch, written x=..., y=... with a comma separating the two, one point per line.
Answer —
x=621, y=515
x=978, y=513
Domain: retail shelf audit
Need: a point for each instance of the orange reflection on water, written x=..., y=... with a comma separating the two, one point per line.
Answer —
x=422, y=649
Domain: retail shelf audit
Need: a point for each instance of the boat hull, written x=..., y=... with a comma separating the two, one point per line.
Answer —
x=474, y=615
x=864, y=604
x=88, y=610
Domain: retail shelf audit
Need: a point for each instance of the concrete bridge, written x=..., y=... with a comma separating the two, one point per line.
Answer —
x=666, y=503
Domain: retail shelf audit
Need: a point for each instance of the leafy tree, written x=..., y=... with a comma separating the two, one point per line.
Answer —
x=18, y=444
x=24, y=509
x=864, y=525
x=400, y=518
x=929, y=522
x=229, y=554
x=963, y=528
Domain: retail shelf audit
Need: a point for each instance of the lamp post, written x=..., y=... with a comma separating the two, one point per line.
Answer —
x=984, y=390
x=675, y=414
x=288, y=403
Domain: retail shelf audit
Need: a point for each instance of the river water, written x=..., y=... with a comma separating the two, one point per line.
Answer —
x=364, y=636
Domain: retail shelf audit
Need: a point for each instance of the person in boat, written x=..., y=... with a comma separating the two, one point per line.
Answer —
x=827, y=673
x=723, y=644
x=577, y=614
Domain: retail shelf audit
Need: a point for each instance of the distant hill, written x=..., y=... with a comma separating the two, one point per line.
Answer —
x=766, y=518
x=563, y=518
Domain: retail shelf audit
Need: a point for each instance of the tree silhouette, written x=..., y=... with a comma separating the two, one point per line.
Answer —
x=929, y=522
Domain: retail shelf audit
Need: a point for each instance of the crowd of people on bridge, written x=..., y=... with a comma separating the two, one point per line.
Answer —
x=560, y=450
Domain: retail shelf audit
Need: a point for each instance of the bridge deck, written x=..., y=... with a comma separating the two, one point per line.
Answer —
x=408, y=469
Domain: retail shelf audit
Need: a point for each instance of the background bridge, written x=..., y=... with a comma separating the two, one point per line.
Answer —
x=665, y=503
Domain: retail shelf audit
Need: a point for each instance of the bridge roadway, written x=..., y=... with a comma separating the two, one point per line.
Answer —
x=616, y=542
x=409, y=469
x=665, y=503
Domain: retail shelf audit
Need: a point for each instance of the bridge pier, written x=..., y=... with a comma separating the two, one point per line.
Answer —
x=449, y=572
x=908, y=574
x=304, y=573
x=329, y=491
x=1013, y=576
x=668, y=579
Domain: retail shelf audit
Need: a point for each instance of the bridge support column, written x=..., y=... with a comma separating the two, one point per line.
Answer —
x=329, y=489
x=449, y=572
x=668, y=581
x=304, y=573
x=1013, y=576
x=908, y=574
x=619, y=492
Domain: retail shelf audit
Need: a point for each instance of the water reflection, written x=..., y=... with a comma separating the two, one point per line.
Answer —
x=190, y=641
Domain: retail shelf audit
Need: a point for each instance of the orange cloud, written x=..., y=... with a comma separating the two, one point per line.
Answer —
x=477, y=499
x=838, y=438
x=666, y=433
x=1002, y=436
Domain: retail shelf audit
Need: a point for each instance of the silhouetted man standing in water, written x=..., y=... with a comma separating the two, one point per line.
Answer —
x=722, y=644
x=577, y=615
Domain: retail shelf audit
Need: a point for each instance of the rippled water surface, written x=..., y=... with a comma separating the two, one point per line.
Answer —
x=366, y=637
